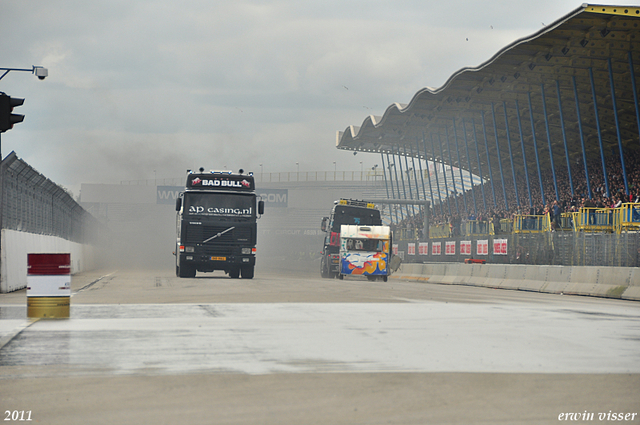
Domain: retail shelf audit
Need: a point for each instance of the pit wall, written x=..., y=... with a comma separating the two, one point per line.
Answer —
x=608, y=282
x=16, y=245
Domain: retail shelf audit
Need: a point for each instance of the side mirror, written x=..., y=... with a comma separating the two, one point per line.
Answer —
x=323, y=225
x=261, y=207
x=178, y=204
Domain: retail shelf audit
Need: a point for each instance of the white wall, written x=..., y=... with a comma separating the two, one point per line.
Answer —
x=16, y=245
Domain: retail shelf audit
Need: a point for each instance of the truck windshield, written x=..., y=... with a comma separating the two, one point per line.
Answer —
x=219, y=205
x=365, y=245
x=344, y=214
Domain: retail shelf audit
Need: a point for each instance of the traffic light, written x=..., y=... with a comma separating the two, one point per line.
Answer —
x=7, y=119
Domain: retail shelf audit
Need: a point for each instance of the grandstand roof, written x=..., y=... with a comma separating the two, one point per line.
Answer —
x=526, y=81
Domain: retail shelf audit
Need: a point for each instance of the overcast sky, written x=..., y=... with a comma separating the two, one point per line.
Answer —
x=146, y=88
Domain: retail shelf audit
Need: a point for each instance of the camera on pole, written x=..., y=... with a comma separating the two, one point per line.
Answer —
x=7, y=118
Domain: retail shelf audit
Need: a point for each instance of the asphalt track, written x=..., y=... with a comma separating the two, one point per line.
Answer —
x=147, y=347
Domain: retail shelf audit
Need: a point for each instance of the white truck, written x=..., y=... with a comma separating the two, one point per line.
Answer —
x=365, y=251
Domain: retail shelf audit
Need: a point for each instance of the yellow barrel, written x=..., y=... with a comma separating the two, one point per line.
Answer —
x=48, y=307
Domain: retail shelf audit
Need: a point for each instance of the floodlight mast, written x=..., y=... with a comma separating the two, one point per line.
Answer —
x=39, y=71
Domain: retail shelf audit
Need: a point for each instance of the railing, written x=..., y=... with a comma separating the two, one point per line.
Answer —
x=531, y=223
x=476, y=228
x=292, y=176
x=566, y=222
x=504, y=226
x=627, y=217
x=439, y=231
x=408, y=234
x=607, y=220
x=594, y=220
x=320, y=176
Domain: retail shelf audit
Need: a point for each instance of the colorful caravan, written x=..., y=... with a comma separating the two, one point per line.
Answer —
x=365, y=251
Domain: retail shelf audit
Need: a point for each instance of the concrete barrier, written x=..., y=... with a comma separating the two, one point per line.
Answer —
x=16, y=245
x=609, y=282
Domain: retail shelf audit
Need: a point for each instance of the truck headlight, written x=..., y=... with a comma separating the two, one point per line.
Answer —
x=246, y=251
x=188, y=249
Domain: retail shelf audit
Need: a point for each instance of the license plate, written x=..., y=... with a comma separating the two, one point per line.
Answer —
x=218, y=258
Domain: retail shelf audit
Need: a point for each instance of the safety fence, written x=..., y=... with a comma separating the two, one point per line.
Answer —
x=376, y=175
x=625, y=218
x=550, y=248
x=34, y=204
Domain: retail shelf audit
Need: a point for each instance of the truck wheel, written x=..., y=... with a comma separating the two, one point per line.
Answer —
x=234, y=273
x=247, y=272
x=186, y=271
x=323, y=268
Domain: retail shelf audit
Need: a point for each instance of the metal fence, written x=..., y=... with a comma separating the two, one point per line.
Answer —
x=283, y=177
x=34, y=204
x=553, y=248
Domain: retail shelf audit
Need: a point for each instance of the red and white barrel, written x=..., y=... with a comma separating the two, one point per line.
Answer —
x=48, y=285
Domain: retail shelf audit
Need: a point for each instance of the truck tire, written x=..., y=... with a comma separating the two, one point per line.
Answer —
x=324, y=272
x=247, y=272
x=186, y=271
x=234, y=273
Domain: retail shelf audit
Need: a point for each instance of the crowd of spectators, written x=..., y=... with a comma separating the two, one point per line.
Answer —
x=452, y=210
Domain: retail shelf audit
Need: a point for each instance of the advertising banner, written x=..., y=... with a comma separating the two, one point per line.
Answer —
x=465, y=247
x=450, y=248
x=499, y=247
x=273, y=198
x=482, y=247
x=436, y=248
x=423, y=248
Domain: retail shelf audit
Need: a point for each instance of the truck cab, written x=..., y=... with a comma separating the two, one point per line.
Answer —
x=216, y=224
x=345, y=211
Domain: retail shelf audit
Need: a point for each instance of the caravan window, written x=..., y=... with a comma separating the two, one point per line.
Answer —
x=365, y=245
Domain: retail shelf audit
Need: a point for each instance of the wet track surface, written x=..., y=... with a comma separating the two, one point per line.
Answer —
x=259, y=338
x=164, y=350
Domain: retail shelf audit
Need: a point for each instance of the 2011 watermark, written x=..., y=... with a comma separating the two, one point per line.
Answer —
x=593, y=416
x=17, y=415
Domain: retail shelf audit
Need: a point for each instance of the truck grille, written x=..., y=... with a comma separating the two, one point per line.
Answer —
x=219, y=250
x=197, y=234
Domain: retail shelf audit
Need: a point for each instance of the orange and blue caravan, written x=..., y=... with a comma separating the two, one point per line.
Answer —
x=365, y=251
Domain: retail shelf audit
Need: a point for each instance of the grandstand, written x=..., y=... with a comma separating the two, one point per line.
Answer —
x=548, y=130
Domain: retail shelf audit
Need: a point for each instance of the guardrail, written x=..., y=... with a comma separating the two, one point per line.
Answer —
x=288, y=176
x=320, y=176
x=531, y=223
x=626, y=218
x=476, y=228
